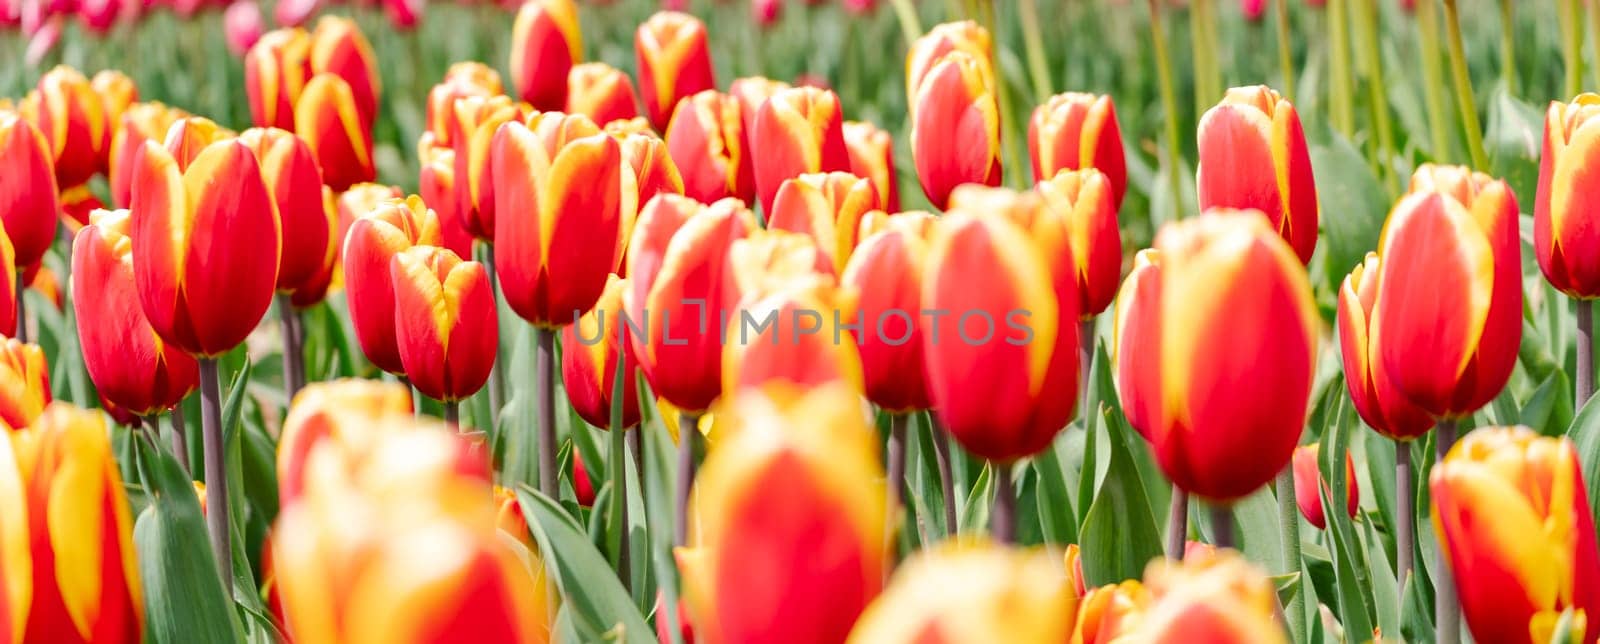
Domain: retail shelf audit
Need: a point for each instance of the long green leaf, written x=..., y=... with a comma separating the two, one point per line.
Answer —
x=601, y=609
x=184, y=597
x=1120, y=534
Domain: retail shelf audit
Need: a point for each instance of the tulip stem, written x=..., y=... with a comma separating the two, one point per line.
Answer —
x=22, y=309
x=1222, y=526
x=1339, y=68
x=1464, y=99
x=1433, y=80
x=180, y=442
x=1169, y=104
x=1377, y=97
x=544, y=376
x=908, y=20
x=1447, y=614
x=1289, y=524
x=688, y=435
x=496, y=382
x=1285, y=50
x=149, y=426
x=1508, y=58
x=947, y=481
x=1177, y=524
x=452, y=414
x=1406, y=515
x=1003, y=517
x=293, y=355
x=1585, y=377
x=1594, y=25
x=1033, y=44
x=1085, y=364
x=216, y=473
x=1571, y=46
x=897, y=476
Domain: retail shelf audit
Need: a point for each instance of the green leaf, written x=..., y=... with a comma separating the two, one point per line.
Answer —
x=1120, y=535
x=184, y=597
x=1585, y=434
x=975, y=516
x=1353, y=207
x=589, y=588
x=1286, y=585
x=1056, y=519
x=1549, y=408
x=1513, y=140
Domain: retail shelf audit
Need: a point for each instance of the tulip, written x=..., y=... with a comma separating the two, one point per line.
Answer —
x=241, y=26
x=326, y=275
x=291, y=173
x=329, y=119
x=1216, y=598
x=369, y=249
x=462, y=80
x=706, y=139
x=685, y=627
x=117, y=93
x=349, y=206
x=648, y=171
x=545, y=44
x=189, y=136
x=86, y=584
x=444, y=322
x=674, y=62
x=601, y=92
x=347, y=414
x=141, y=122
x=1212, y=434
x=436, y=184
x=828, y=207
x=276, y=70
x=797, y=131
x=1074, y=131
x=1087, y=200
x=130, y=365
x=476, y=119
x=76, y=205
x=1109, y=613
x=24, y=383
x=566, y=175
x=1514, y=525
x=72, y=118
x=791, y=325
x=1564, y=243
x=955, y=135
x=1072, y=558
x=886, y=272
x=589, y=364
x=1382, y=406
x=814, y=453
x=338, y=48
x=1448, y=317
x=872, y=157
x=404, y=14
x=926, y=52
x=1258, y=157
x=28, y=204
x=752, y=92
x=16, y=557
x=975, y=592
x=1308, y=485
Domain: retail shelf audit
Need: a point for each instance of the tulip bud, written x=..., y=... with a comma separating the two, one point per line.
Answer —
x=327, y=275
x=344, y=413
x=1565, y=246
x=1232, y=422
x=592, y=349
x=72, y=118
x=24, y=383
x=828, y=207
x=674, y=62
x=476, y=119
x=1074, y=131
x=545, y=44
x=648, y=171
x=975, y=592
x=241, y=26
x=791, y=323
x=1308, y=485
x=872, y=157
x=329, y=119
x=338, y=48
x=28, y=204
x=797, y=131
x=276, y=70
x=369, y=249
x=140, y=123
x=1257, y=156
x=349, y=206
x=1110, y=613
x=117, y=93
x=1372, y=390
x=1215, y=598
x=1089, y=206
x=955, y=135
x=436, y=184
x=444, y=322
x=190, y=135
x=886, y=272
x=706, y=139
x=1514, y=525
x=1448, y=316
x=601, y=92
x=291, y=174
x=1071, y=557
x=926, y=52
x=463, y=79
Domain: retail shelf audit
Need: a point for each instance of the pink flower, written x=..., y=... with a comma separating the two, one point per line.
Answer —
x=241, y=26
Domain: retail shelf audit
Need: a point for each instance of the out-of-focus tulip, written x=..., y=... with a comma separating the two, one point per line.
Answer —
x=338, y=48
x=276, y=70
x=292, y=176
x=1372, y=390
x=369, y=249
x=545, y=44
x=16, y=556
x=1002, y=360
x=206, y=245
x=1568, y=248
x=592, y=349
x=824, y=553
x=706, y=139
x=797, y=131
x=141, y=122
x=508, y=515
x=1448, y=316
x=329, y=119
x=191, y=135
x=76, y=204
x=685, y=625
x=404, y=14
x=24, y=383
x=1514, y=524
x=827, y=207
x=28, y=204
x=117, y=93
x=1086, y=199
x=791, y=318
x=955, y=134
x=1253, y=9
x=886, y=272
x=294, y=13
x=475, y=121
x=601, y=92
x=1308, y=484
x=1108, y=613
x=1253, y=154
x=674, y=62
x=872, y=158
x=462, y=80
x=1071, y=557
x=86, y=585
x=436, y=184
x=677, y=274
x=753, y=92
x=72, y=118
x=348, y=414
x=976, y=592
x=444, y=322
x=648, y=171
x=766, y=12
x=130, y=365
x=1215, y=598
x=1073, y=131
x=582, y=487
x=565, y=176
x=925, y=53
x=241, y=26
x=1231, y=423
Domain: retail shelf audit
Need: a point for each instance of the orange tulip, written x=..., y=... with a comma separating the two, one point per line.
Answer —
x=72, y=118
x=545, y=44
x=369, y=249
x=1514, y=525
x=85, y=585
x=1074, y=131
x=886, y=272
x=797, y=131
x=1087, y=200
x=28, y=204
x=476, y=119
x=601, y=92
x=648, y=171
x=206, y=244
x=444, y=322
x=346, y=414
x=706, y=139
x=1448, y=316
x=1231, y=422
x=436, y=184
x=566, y=176
x=338, y=48
x=1567, y=248
x=141, y=122
x=828, y=207
x=1308, y=485
x=130, y=365
x=926, y=52
x=276, y=70
x=814, y=454
x=1110, y=613
x=292, y=176
x=955, y=133
x=1071, y=557
x=330, y=120
x=24, y=383
x=1372, y=389
x=872, y=157
x=1208, y=598
x=464, y=79
x=593, y=347
x=674, y=62
x=972, y=592
x=1000, y=300
x=1257, y=155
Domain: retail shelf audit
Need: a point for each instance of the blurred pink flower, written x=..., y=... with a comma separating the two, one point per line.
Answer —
x=766, y=12
x=404, y=14
x=44, y=39
x=860, y=6
x=293, y=13
x=1254, y=9
x=241, y=26
x=675, y=5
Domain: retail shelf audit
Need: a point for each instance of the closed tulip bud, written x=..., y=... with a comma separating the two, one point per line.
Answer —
x=327, y=274
x=1110, y=613
x=678, y=274
x=444, y=322
x=276, y=70
x=28, y=202
x=926, y=52
x=1372, y=389
x=206, y=244
x=601, y=92
x=872, y=157
x=1074, y=131
x=828, y=207
x=674, y=62
x=1215, y=598
x=329, y=120
x=191, y=135
x=1002, y=365
x=118, y=93
x=565, y=175
x=1253, y=154
x=955, y=137
x=1448, y=317
x=369, y=249
x=813, y=453
x=798, y=131
x=508, y=517
x=349, y=206
x=1308, y=485
x=706, y=139
x=241, y=26
x=545, y=44
x=1231, y=423
x=436, y=184
x=347, y=414
x=24, y=383
x=1086, y=200
x=1566, y=246
x=1514, y=525
x=886, y=272
x=86, y=584
x=794, y=335
x=140, y=123
x=338, y=48
x=1071, y=557
x=463, y=79
x=593, y=348
x=974, y=592
x=648, y=171
x=476, y=119
x=292, y=176
x=130, y=365
x=72, y=118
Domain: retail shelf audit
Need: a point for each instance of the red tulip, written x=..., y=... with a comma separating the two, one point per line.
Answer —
x=328, y=117
x=140, y=123
x=545, y=44
x=436, y=184
x=926, y=52
x=592, y=349
x=276, y=70
x=706, y=139
x=369, y=249
x=674, y=62
x=463, y=79
x=1372, y=390
x=827, y=207
x=872, y=157
x=797, y=131
x=24, y=383
x=1567, y=246
x=1073, y=131
x=241, y=26
x=444, y=320
x=72, y=117
x=1087, y=200
x=475, y=121
x=649, y=172
x=291, y=173
x=1257, y=157
x=601, y=92
x=338, y=48
x=955, y=135
x=28, y=204
x=1308, y=485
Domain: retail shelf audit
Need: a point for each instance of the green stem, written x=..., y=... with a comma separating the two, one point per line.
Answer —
x=1038, y=67
x=1285, y=53
x=1572, y=45
x=907, y=14
x=1008, y=116
x=1594, y=26
x=1367, y=33
x=1463, y=83
x=1433, y=78
x=1202, y=53
x=1339, y=68
x=1446, y=610
x=1508, y=56
x=1289, y=526
x=1169, y=104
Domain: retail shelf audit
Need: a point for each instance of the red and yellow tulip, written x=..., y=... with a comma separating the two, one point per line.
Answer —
x=347, y=415
x=141, y=122
x=72, y=117
x=886, y=272
x=1110, y=613
x=545, y=44
x=674, y=61
x=436, y=184
x=276, y=70
x=592, y=350
x=826, y=206
x=791, y=321
x=972, y=592
x=1257, y=157
x=955, y=132
x=1372, y=389
x=872, y=158
x=1075, y=131
x=798, y=131
x=926, y=52
x=328, y=116
x=601, y=92
x=648, y=171
x=706, y=139
x=1308, y=485
x=475, y=121
x=292, y=176
x=24, y=383
x=1088, y=201
x=463, y=79
x=1568, y=248
x=28, y=202
x=445, y=325
x=338, y=48
x=374, y=239
x=1215, y=597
